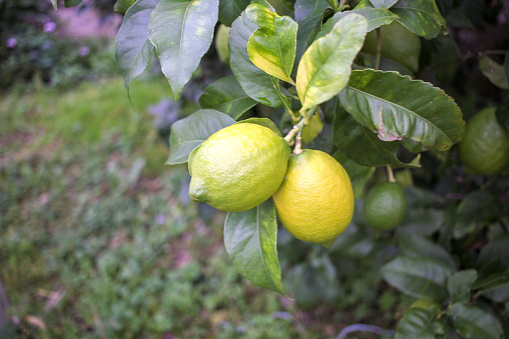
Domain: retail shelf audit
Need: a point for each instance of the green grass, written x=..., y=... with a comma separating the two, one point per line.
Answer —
x=98, y=238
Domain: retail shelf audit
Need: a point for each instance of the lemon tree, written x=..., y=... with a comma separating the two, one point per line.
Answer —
x=340, y=86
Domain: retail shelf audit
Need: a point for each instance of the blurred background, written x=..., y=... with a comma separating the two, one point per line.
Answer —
x=98, y=238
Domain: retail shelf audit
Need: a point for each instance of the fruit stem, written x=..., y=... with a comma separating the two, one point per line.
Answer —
x=296, y=131
x=390, y=174
x=378, y=48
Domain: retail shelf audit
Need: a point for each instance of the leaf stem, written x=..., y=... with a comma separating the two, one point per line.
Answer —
x=378, y=48
x=390, y=174
x=296, y=131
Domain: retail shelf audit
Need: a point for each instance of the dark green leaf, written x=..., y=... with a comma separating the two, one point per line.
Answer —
x=259, y=85
x=502, y=113
x=421, y=221
x=493, y=71
x=413, y=245
x=398, y=107
x=250, y=240
x=230, y=10
x=352, y=244
x=272, y=46
x=314, y=282
x=262, y=122
x=326, y=65
x=496, y=281
x=459, y=285
x=226, y=95
x=416, y=324
x=383, y=3
x=421, y=17
x=308, y=29
x=418, y=276
x=376, y=17
x=182, y=31
x=362, y=145
x=303, y=8
x=191, y=132
x=134, y=50
x=473, y=322
x=72, y=3
x=495, y=249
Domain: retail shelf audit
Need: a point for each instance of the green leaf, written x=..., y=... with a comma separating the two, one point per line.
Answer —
x=309, y=27
x=398, y=107
x=326, y=65
x=72, y=3
x=182, y=31
x=259, y=85
x=493, y=71
x=502, y=112
x=352, y=244
x=421, y=17
x=230, y=10
x=250, y=240
x=418, y=276
x=226, y=95
x=416, y=324
x=362, y=145
x=55, y=4
x=492, y=282
x=473, y=322
x=272, y=46
x=495, y=250
x=423, y=221
x=459, y=285
x=383, y=3
x=133, y=48
x=476, y=206
x=376, y=17
x=413, y=245
x=304, y=8
x=191, y=132
x=262, y=122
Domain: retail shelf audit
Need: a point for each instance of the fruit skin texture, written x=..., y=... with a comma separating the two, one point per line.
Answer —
x=315, y=202
x=385, y=206
x=238, y=167
x=398, y=44
x=485, y=147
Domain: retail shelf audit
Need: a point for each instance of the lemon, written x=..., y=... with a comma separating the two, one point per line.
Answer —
x=238, y=167
x=398, y=44
x=385, y=206
x=222, y=49
x=485, y=146
x=315, y=202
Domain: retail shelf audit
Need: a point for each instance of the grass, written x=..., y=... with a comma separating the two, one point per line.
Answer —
x=98, y=238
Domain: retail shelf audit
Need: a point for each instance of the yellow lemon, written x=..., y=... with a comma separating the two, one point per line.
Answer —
x=315, y=202
x=238, y=167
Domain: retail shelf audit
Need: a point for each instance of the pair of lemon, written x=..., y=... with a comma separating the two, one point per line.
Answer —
x=242, y=165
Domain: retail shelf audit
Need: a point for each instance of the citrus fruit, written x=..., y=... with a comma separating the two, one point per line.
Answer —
x=222, y=49
x=398, y=44
x=315, y=202
x=385, y=206
x=238, y=167
x=485, y=146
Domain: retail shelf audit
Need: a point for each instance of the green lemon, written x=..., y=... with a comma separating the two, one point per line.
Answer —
x=121, y=6
x=485, y=146
x=238, y=167
x=385, y=206
x=398, y=44
x=222, y=49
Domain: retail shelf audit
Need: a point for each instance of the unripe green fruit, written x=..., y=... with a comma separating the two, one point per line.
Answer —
x=398, y=44
x=222, y=49
x=385, y=206
x=485, y=146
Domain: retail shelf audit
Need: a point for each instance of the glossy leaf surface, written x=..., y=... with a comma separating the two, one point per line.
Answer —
x=134, y=50
x=416, y=323
x=182, y=31
x=325, y=67
x=303, y=8
x=227, y=96
x=459, y=285
x=230, y=10
x=191, y=132
x=421, y=17
x=473, y=322
x=376, y=17
x=398, y=107
x=250, y=240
